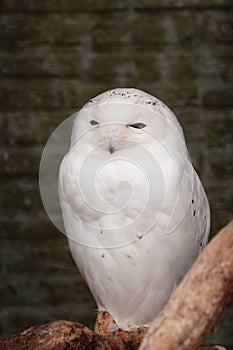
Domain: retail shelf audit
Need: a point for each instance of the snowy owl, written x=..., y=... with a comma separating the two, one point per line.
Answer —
x=134, y=210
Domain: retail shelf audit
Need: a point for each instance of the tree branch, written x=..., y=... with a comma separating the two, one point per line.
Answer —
x=198, y=301
x=61, y=335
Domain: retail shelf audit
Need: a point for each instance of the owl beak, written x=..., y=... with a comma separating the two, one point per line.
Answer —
x=110, y=146
x=109, y=138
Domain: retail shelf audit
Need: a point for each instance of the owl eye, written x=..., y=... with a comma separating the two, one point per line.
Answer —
x=137, y=125
x=94, y=122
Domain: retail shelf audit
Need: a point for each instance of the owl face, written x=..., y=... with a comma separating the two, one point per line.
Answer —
x=115, y=126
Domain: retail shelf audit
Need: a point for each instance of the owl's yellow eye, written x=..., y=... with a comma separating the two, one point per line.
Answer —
x=137, y=125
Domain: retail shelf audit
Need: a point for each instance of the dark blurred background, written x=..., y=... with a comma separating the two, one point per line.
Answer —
x=55, y=55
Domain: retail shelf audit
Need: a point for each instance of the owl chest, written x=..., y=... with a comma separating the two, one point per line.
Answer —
x=115, y=185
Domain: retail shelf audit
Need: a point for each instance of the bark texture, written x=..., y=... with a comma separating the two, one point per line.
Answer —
x=67, y=335
x=61, y=335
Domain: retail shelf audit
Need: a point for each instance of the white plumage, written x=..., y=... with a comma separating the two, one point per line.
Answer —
x=134, y=210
